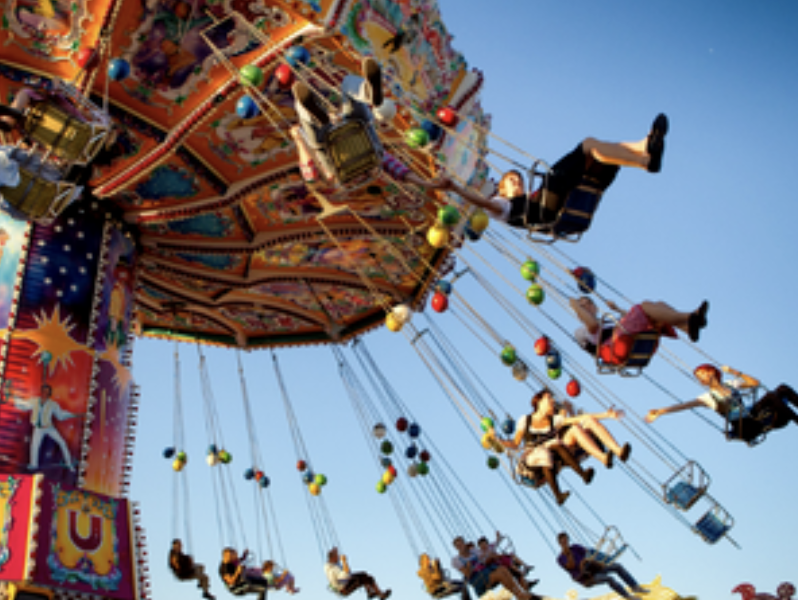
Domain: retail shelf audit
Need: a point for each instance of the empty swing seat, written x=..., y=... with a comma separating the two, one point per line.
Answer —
x=607, y=558
x=683, y=495
x=711, y=527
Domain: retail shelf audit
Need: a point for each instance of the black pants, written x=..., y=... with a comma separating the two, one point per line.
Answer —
x=772, y=411
x=359, y=580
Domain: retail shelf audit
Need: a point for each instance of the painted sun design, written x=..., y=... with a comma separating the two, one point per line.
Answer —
x=52, y=336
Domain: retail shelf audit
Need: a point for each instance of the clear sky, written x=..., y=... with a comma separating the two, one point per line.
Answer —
x=717, y=223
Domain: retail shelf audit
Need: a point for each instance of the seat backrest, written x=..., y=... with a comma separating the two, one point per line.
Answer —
x=353, y=149
x=711, y=527
x=683, y=495
x=578, y=211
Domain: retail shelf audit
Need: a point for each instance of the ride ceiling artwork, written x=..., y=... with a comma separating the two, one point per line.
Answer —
x=231, y=250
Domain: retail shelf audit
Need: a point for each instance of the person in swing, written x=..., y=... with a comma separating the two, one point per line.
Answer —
x=238, y=579
x=775, y=410
x=344, y=582
x=593, y=158
x=185, y=569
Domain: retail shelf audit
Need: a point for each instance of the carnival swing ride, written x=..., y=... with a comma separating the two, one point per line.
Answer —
x=152, y=186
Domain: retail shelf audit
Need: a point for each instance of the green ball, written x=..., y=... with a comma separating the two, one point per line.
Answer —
x=422, y=468
x=530, y=270
x=181, y=456
x=493, y=462
x=321, y=479
x=486, y=423
x=381, y=487
x=386, y=447
x=509, y=356
x=251, y=75
x=225, y=457
x=416, y=138
x=448, y=215
x=535, y=294
x=555, y=373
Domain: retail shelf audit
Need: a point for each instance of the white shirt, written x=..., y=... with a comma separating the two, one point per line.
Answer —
x=584, y=337
x=501, y=208
x=723, y=404
x=335, y=575
x=521, y=424
x=459, y=563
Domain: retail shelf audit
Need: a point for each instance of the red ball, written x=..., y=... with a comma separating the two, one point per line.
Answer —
x=440, y=302
x=258, y=475
x=424, y=456
x=542, y=346
x=573, y=388
x=301, y=465
x=284, y=75
x=447, y=116
x=392, y=470
x=401, y=424
x=87, y=58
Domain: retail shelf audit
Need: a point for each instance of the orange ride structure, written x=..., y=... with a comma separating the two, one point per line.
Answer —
x=202, y=229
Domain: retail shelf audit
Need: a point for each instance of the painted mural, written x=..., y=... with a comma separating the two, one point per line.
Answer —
x=43, y=27
x=16, y=503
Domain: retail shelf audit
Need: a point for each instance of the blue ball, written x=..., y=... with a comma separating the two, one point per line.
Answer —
x=308, y=476
x=472, y=235
x=264, y=482
x=246, y=108
x=385, y=462
x=444, y=287
x=432, y=129
x=168, y=452
x=212, y=449
x=296, y=55
x=118, y=69
x=414, y=430
x=553, y=360
x=249, y=474
x=508, y=426
x=411, y=452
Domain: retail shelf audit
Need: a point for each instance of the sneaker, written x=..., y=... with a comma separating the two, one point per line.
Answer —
x=372, y=73
x=310, y=102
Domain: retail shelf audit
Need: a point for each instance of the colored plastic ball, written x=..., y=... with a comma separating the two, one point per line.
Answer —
x=444, y=287
x=425, y=456
x=284, y=76
x=386, y=462
x=553, y=359
x=314, y=489
x=182, y=457
x=520, y=371
x=486, y=441
x=535, y=294
x=433, y=130
x=401, y=424
x=411, y=452
x=118, y=69
x=385, y=112
x=414, y=430
x=301, y=465
x=178, y=465
x=585, y=279
x=308, y=477
x=402, y=313
x=542, y=346
x=423, y=468
x=297, y=55
x=251, y=75
x=509, y=356
x=554, y=373
x=87, y=58
x=386, y=447
x=225, y=457
x=472, y=235
x=486, y=424
x=447, y=116
x=439, y=302
x=416, y=138
x=381, y=487
x=438, y=236
x=379, y=431
x=264, y=482
x=493, y=462
x=392, y=323
x=412, y=470
x=258, y=475
x=212, y=460
x=388, y=478
x=448, y=215
x=321, y=479
x=479, y=221
x=573, y=389
x=212, y=449
x=508, y=426
x=392, y=470
x=249, y=474
x=530, y=270
x=246, y=107
x=168, y=452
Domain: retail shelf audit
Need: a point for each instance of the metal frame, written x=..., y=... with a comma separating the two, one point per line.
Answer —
x=624, y=370
x=691, y=474
x=609, y=548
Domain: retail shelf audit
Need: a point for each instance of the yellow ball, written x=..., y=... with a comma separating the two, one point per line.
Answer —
x=314, y=489
x=387, y=478
x=486, y=441
x=438, y=236
x=392, y=323
x=178, y=465
x=479, y=221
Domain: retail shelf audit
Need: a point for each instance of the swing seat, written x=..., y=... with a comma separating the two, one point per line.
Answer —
x=625, y=354
x=38, y=196
x=738, y=417
x=686, y=486
x=68, y=125
x=607, y=559
x=446, y=589
x=574, y=218
x=711, y=528
x=683, y=495
x=351, y=150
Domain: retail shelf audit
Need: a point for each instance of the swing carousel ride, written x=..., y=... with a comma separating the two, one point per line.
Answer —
x=193, y=222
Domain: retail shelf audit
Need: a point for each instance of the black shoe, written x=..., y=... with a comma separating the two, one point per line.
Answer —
x=531, y=584
x=610, y=457
x=656, y=143
x=625, y=452
x=372, y=73
x=386, y=595
x=311, y=103
x=588, y=476
x=697, y=321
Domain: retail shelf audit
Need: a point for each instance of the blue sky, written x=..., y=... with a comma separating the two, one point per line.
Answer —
x=717, y=223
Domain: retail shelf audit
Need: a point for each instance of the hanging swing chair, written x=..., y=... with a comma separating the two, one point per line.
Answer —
x=745, y=414
x=348, y=150
x=609, y=547
x=686, y=486
x=626, y=354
